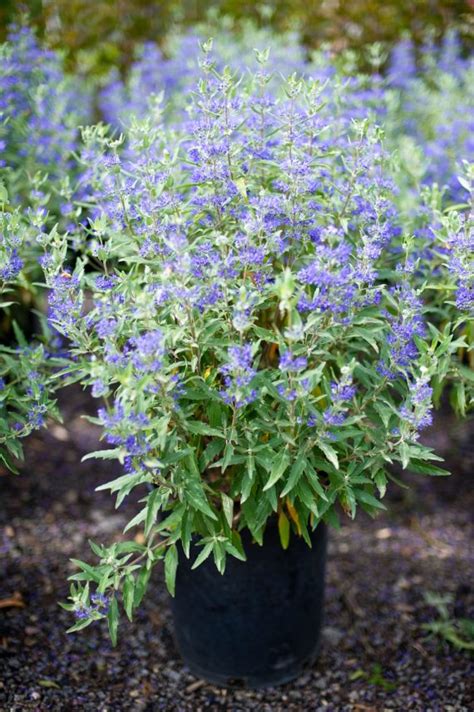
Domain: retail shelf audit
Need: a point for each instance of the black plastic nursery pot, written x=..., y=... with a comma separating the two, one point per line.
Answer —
x=259, y=623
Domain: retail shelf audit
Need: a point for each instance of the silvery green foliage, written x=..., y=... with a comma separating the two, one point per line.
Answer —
x=234, y=310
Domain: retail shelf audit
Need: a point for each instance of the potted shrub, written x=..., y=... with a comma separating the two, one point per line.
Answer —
x=260, y=367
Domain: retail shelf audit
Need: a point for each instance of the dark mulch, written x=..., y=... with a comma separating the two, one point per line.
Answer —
x=375, y=654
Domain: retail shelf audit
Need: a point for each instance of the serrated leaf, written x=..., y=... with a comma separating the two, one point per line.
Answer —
x=330, y=453
x=279, y=467
x=367, y=498
x=197, y=499
x=425, y=468
x=295, y=473
x=200, y=428
x=203, y=555
x=137, y=519
x=117, y=453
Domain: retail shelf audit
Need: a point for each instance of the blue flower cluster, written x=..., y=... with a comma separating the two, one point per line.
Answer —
x=98, y=607
x=238, y=375
x=128, y=431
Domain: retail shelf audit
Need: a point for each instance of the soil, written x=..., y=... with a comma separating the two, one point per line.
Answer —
x=375, y=656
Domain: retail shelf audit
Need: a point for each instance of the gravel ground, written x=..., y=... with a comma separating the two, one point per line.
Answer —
x=375, y=654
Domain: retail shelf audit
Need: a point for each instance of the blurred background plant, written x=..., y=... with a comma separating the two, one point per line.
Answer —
x=41, y=108
x=457, y=630
x=109, y=30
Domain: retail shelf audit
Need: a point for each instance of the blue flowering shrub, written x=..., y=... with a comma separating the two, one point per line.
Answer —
x=235, y=309
x=442, y=258
x=431, y=116
x=40, y=112
x=429, y=122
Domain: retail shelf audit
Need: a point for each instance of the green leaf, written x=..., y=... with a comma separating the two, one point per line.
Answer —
x=171, y=565
x=113, y=620
x=80, y=625
x=404, y=454
x=313, y=480
x=49, y=683
x=3, y=194
x=284, y=530
x=96, y=548
x=219, y=556
x=206, y=551
x=141, y=585
x=196, y=498
x=228, y=546
x=213, y=449
x=152, y=508
x=228, y=455
x=237, y=546
x=186, y=531
x=380, y=480
x=200, y=428
x=279, y=467
x=228, y=508
x=465, y=183
x=295, y=473
x=91, y=573
x=425, y=468
x=128, y=596
x=117, y=453
x=137, y=519
x=305, y=494
x=367, y=498
x=330, y=453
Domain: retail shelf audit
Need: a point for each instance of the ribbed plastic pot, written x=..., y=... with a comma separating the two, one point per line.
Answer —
x=259, y=624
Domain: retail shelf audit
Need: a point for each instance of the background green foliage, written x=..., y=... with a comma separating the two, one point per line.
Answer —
x=110, y=29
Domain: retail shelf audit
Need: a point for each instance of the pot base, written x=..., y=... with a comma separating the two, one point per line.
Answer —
x=279, y=677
